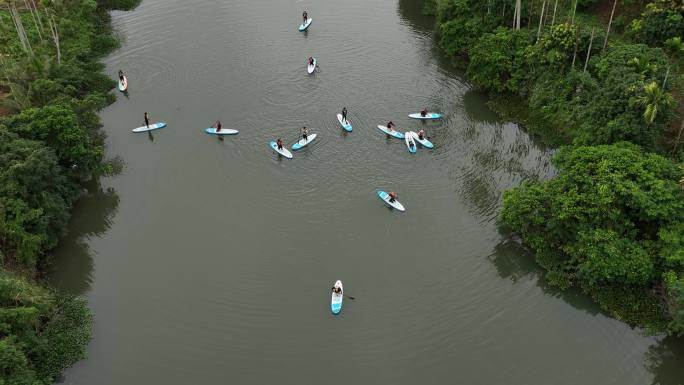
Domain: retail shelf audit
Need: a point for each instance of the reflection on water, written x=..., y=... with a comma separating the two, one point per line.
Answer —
x=91, y=217
x=512, y=261
x=475, y=106
x=666, y=361
x=413, y=12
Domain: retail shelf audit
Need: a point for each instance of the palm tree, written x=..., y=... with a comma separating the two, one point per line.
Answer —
x=643, y=67
x=654, y=99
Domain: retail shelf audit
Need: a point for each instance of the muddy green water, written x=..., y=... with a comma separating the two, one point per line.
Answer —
x=209, y=262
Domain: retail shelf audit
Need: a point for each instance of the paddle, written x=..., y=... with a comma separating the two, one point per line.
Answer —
x=299, y=137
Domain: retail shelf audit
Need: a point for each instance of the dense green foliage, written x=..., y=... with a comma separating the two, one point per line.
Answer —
x=607, y=103
x=612, y=217
x=34, y=197
x=661, y=20
x=40, y=332
x=50, y=143
x=612, y=221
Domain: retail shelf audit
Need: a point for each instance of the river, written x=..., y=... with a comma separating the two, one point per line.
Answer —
x=210, y=262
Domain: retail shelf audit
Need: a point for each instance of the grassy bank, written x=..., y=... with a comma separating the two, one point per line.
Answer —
x=602, y=79
x=51, y=87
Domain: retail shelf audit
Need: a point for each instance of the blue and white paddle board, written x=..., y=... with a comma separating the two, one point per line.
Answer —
x=306, y=25
x=345, y=124
x=303, y=142
x=430, y=115
x=391, y=132
x=386, y=198
x=224, y=131
x=154, y=126
x=423, y=142
x=284, y=152
x=336, y=299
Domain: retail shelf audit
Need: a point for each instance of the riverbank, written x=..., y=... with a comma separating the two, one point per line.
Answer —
x=51, y=144
x=612, y=221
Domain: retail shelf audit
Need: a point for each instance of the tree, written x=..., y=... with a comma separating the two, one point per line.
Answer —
x=654, y=100
x=611, y=112
x=611, y=217
x=59, y=127
x=34, y=198
x=496, y=60
x=660, y=20
x=43, y=333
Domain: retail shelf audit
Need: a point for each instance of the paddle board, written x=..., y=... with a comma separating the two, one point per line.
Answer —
x=423, y=142
x=430, y=115
x=391, y=132
x=302, y=142
x=346, y=125
x=154, y=126
x=284, y=152
x=123, y=85
x=304, y=26
x=385, y=197
x=224, y=131
x=410, y=143
x=336, y=299
x=311, y=68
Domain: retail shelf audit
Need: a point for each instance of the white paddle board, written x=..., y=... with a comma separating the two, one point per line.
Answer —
x=386, y=198
x=423, y=142
x=391, y=132
x=284, y=152
x=123, y=85
x=345, y=124
x=154, y=126
x=304, y=26
x=410, y=143
x=224, y=131
x=310, y=68
x=303, y=142
x=430, y=115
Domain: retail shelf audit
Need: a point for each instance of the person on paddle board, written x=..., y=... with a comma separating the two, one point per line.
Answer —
x=392, y=196
x=337, y=290
x=305, y=133
x=390, y=125
x=421, y=134
x=279, y=142
x=147, y=120
x=121, y=77
x=423, y=112
x=305, y=16
x=311, y=61
x=344, y=114
x=218, y=125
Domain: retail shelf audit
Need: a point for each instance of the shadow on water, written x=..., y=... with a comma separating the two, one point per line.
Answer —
x=512, y=261
x=665, y=361
x=72, y=270
x=413, y=12
x=497, y=158
x=475, y=107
